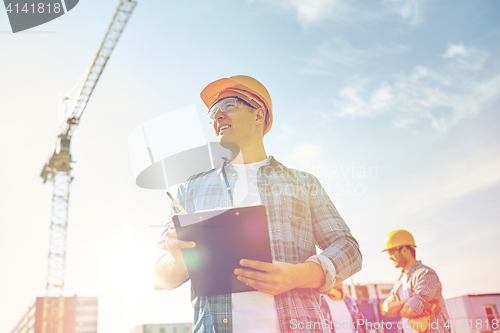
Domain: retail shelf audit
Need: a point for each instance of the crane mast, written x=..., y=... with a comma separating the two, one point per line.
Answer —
x=58, y=171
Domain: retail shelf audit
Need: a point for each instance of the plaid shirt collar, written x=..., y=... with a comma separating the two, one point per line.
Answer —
x=413, y=267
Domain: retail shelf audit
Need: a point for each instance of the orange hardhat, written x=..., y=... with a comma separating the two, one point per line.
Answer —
x=399, y=238
x=244, y=85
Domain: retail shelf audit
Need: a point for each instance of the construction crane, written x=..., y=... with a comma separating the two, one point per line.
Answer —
x=58, y=170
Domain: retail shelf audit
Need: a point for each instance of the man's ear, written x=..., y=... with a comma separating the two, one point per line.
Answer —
x=260, y=115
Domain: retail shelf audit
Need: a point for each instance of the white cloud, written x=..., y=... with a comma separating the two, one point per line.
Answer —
x=306, y=11
x=357, y=106
x=469, y=57
x=309, y=11
x=454, y=50
x=439, y=98
x=350, y=12
x=338, y=57
x=381, y=97
x=409, y=10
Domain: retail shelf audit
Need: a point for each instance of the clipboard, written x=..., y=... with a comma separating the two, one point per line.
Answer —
x=223, y=237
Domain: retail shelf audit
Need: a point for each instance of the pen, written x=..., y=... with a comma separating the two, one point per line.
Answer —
x=176, y=203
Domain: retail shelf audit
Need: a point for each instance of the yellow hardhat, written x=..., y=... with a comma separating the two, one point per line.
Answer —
x=337, y=293
x=243, y=85
x=398, y=238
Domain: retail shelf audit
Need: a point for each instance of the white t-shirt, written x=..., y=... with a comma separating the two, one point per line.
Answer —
x=253, y=311
x=403, y=293
x=340, y=315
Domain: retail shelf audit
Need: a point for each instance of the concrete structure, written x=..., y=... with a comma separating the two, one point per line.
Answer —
x=369, y=291
x=474, y=313
x=369, y=297
x=163, y=328
x=80, y=316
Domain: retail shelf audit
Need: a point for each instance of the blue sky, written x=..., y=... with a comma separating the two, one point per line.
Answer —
x=393, y=104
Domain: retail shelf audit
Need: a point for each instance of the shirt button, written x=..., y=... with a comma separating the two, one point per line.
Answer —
x=234, y=175
x=228, y=188
x=224, y=320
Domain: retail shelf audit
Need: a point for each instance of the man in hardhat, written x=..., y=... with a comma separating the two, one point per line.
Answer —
x=416, y=296
x=300, y=216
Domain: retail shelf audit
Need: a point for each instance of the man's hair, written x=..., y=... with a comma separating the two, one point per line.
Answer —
x=412, y=250
x=264, y=127
x=265, y=119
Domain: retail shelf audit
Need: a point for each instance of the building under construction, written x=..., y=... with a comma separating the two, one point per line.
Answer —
x=80, y=316
x=163, y=328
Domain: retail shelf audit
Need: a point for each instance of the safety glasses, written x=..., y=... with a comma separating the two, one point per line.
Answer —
x=392, y=251
x=224, y=105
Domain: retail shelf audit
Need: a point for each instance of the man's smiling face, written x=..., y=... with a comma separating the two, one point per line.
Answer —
x=235, y=125
x=398, y=258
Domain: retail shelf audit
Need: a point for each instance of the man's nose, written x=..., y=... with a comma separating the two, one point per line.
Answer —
x=218, y=114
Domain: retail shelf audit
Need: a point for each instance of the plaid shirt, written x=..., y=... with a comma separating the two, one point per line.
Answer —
x=300, y=215
x=425, y=286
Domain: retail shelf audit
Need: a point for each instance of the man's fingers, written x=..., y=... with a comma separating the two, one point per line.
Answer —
x=260, y=265
x=259, y=285
x=171, y=233
x=252, y=283
x=174, y=243
x=185, y=245
x=254, y=275
x=272, y=278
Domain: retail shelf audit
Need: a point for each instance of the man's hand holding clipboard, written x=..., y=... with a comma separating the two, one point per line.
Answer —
x=277, y=277
x=174, y=244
